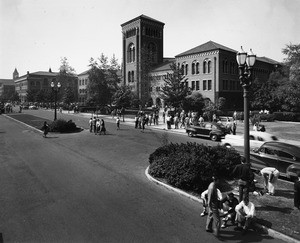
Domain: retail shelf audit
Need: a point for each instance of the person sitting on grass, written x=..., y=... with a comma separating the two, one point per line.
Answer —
x=229, y=203
x=245, y=214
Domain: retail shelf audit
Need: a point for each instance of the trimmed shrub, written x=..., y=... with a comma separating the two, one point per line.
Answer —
x=191, y=166
x=63, y=126
x=285, y=116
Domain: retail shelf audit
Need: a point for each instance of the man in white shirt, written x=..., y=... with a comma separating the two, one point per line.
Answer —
x=270, y=175
x=245, y=214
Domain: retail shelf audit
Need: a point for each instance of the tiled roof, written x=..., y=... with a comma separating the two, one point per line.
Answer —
x=142, y=17
x=165, y=66
x=208, y=46
x=268, y=60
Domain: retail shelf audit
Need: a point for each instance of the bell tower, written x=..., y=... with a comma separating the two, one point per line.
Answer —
x=15, y=74
x=142, y=44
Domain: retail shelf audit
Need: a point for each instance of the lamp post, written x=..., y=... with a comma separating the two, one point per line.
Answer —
x=55, y=89
x=246, y=63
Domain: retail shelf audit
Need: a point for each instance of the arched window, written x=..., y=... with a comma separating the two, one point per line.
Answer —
x=197, y=68
x=208, y=66
x=186, y=69
x=193, y=68
x=204, y=67
x=132, y=76
x=131, y=53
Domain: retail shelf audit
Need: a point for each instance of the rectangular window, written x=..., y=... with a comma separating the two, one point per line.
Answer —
x=193, y=85
x=204, y=85
x=209, y=85
x=197, y=85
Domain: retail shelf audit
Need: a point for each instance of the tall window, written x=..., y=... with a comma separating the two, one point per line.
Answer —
x=209, y=87
x=132, y=76
x=193, y=68
x=197, y=68
x=186, y=69
x=204, y=67
x=197, y=85
x=193, y=85
x=129, y=77
x=208, y=66
x=131, y=53
x=204, y=84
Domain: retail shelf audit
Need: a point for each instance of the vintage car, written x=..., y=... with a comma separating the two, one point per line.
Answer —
x=256, y=139
x=284, y=157
x=212, y=130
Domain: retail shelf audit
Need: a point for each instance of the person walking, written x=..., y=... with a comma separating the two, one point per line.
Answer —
x=136, y=121
x=118, y=122
x=102, y=127
x=45, y=128
x=204, y=197
x=94, y=125
x=245, y=176
x=91, y=124
x=245, y=214
x=213, y=217
x=297, y=192
x=98, y=126
x=270, y=175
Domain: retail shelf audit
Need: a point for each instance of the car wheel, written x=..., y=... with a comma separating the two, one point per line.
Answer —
x=214, y=137
x=190, y=134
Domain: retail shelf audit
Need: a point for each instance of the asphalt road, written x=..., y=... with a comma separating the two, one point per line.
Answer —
x=86, y=188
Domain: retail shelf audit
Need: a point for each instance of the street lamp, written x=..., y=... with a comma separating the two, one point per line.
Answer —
x=55, y=89
x=246, y=63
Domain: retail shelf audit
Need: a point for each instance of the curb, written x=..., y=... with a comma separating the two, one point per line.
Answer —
x=264, y=229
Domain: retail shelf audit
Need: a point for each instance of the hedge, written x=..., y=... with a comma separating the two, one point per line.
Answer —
x=191, y=166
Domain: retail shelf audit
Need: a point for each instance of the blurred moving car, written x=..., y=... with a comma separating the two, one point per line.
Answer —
x=284, y=157
x=256, y=139
x=32, y=107
x=212, y=130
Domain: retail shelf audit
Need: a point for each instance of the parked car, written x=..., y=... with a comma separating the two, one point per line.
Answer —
x=256, y=139
x=212, y=130
x=284, y=157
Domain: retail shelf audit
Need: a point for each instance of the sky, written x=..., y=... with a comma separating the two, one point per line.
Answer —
x=36, y=34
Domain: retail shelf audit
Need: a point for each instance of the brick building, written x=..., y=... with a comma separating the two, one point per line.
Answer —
x=142, y=49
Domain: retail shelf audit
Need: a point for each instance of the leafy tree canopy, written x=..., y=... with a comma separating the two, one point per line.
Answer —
x=174, y=89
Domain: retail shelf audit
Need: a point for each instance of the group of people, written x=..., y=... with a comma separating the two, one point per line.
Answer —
x=142, y=119
x=97, y=126
x=225, y=209
x=241, y=211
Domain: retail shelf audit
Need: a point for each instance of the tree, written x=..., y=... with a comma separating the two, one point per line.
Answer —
x=293, y=59
x=265, y=94
x=174, y=89
x=68, y=81
x=123, y=97
x=103, y=80
x=31, y=95
x=194, y=102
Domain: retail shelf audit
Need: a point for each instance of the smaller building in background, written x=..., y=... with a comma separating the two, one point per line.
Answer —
x=7, y=89
x=34, y=81
x=83, y=80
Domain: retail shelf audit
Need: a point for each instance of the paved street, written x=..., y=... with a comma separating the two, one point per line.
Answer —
x=85, y=188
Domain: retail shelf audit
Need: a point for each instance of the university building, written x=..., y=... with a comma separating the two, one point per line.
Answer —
x=210, y=68
x=7, y=86
x=34, y=81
